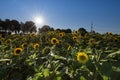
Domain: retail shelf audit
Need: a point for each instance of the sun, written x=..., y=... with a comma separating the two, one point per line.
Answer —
x=38, y=20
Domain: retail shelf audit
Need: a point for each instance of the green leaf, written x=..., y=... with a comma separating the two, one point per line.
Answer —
x=38, y=76
x=2, y=60
x=46, y=72
x=114, y=53
x=82, y=78
x=105, y=77
x=105, y=68
x=59, y=78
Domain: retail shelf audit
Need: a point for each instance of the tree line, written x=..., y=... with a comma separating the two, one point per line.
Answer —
x=14, y=26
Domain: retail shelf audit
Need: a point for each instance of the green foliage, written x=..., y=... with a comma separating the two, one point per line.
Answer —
x=59, y=61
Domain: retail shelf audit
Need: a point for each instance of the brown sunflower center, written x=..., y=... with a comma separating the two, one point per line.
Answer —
x=54, y=41
x=82, y=57
x=18, y=51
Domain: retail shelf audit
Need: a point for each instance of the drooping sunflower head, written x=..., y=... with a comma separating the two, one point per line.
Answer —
x=36, y=46
x=17, y=51
x=91, y=41
x=86, y=35
x=109, y=33
x=47, y=39
x=8, y=41
x=54, y=41
x=60, y=41
x=82, y=57
x=69, y=47
x=74, y=37
x=51, y=33
x=2, y=39
x=0, y=35
x=116, y=39
x=46, y=50
x=32, y=34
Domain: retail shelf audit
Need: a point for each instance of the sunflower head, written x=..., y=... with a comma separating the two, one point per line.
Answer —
x=24, y=39
x=17, y=51
x=8, y=41
x=24, y=45
x=32, y=34
x=0, y=35
x=75, y=38
x=76, y=32
x=61, y=34
x=46, y=50
x=86, y=35
x=91, y=41
x=60, y=41
x=116, y=40
x=36, y=46
x=54, y=41
x=69, y=47
x=109, y=33
x=2, y=39
x=82, y=57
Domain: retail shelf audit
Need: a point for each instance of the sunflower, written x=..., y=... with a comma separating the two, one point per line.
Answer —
x=51, y=32
x=2, y=39
x=46, y=50
x=109, y=33
x=60, y=42
x=35, y=46
x=32, y=34
x=24, y=39
x=69, y=47
x=91, y=41
x=8, y=41
x=54, y=41
x=61, y=34
x=24, y=45
x=76, y=32
x=82, y=57
x=47, y=39
x=86, y=35
x=0, y=35
x=17, y=51
x=75, y=37
x=116, y=39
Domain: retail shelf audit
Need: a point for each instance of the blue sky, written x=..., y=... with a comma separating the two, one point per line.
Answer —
x=73, y=14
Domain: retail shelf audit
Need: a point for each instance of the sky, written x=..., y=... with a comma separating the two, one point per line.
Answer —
x=64, y=14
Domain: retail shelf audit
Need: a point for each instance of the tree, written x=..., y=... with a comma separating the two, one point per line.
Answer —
x=29, y=26
x=15, y=26
x=7, y=25
x=45, y=28
x=64, y=30
x=82, y=31
x=22, y=27
x=1, y=24
x=4, y=25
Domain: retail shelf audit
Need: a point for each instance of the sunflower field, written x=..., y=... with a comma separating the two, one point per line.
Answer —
x=56, y=55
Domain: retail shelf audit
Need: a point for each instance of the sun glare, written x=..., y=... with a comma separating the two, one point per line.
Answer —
x=38, y=20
